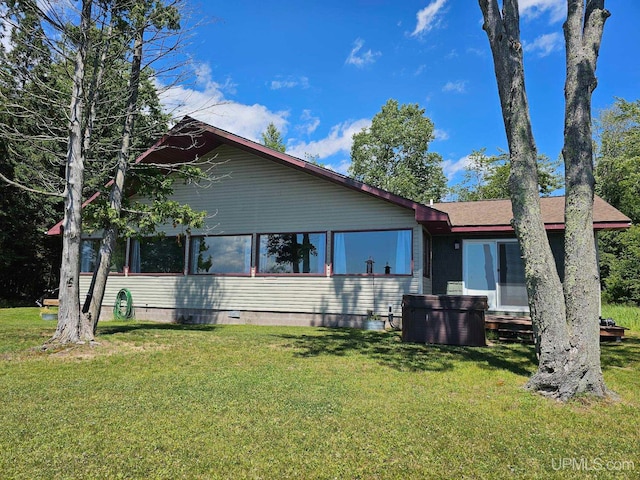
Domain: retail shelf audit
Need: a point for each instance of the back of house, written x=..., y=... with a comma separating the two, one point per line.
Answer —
x=287, y=242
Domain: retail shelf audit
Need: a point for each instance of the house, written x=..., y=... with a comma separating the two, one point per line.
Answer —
x=479, y=255
x=290, y=243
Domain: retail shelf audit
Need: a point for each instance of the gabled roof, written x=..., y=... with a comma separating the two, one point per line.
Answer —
x=495, y=215
x=191, y=138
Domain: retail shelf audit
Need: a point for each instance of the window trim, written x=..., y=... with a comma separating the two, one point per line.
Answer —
x=377, y=275
x=268, y=274
x=205, y=274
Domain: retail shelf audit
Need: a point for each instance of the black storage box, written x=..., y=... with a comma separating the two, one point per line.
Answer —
x=444, y=319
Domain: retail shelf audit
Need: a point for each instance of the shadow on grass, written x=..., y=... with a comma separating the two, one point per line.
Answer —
x=388, y=349
x=135, y=326
x=620, y=354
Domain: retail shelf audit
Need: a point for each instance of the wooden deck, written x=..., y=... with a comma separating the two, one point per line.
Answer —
x=519, y=329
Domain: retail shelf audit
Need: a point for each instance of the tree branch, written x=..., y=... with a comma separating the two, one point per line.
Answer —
x=28, y=189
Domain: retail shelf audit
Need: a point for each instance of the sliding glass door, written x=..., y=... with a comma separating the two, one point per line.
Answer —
x=494, y=268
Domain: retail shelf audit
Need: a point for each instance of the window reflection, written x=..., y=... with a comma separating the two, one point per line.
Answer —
x=390, y=251
x=221, y=254
x=157, y=255
x=292, y=253
x=89, y=250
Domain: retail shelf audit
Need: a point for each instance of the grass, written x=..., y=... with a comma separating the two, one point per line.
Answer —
x=178, y=401
x=624, y=315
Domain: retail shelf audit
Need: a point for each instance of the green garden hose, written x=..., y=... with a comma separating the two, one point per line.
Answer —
x=123, y=308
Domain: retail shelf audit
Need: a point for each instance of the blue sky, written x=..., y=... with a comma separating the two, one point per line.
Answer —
x=321, y=70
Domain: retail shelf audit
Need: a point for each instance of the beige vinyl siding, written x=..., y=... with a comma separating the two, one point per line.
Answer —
x=254, y=195
x=257, y=195
x=346, y=295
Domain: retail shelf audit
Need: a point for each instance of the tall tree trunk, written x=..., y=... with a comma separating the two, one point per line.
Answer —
x=565, y=326
x=95, y=296
x=70, y=328
x=583, y=33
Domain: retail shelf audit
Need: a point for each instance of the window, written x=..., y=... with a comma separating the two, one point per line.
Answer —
x=89, y=249
x=157, y=255
x=390, y=251
x=292, y=253
x=221, y=254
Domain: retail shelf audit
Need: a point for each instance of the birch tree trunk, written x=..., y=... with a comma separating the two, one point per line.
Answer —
x=70, y=328
x=95, y=296
x=565, y=320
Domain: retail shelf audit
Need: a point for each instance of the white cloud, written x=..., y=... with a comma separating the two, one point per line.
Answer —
x=358, y=58
x=429, y=17
x=209, y=104
x=456, y=87
x=289, y=82
x=341, y=167
x=452, y=167
x=310, y=123
x=339, y=140
x=419, y=70
x=477, y=51
x=557, y=9
x=545, y=44
x=440, y=135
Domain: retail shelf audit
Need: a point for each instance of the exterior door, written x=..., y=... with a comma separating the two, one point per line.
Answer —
x=479, y=269
x=512, y=292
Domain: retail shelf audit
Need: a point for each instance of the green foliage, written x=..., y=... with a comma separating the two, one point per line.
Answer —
x=487, y=177
x=211, y=401
x=150, y=207
x=618, y=157
x=272, y=138
x=618, y=182
x=34, y=100
x=25, y=216
x=627, y=316
x=620, y=265
x=393, y=154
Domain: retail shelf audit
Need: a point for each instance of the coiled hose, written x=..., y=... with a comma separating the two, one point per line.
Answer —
x=123, y=308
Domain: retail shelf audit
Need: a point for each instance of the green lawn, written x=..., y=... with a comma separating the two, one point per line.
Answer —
x=176, y=401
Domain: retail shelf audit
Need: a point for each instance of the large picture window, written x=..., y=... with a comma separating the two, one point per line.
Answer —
x=89, y=255
x=390, y=251
x=292, y=253
x=221, y=254
x=157, y=255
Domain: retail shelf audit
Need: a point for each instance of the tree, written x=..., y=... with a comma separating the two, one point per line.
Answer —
x=488, y=177
x=102, y=43
x=565, y=316
x=618, y=182
x=143, y=16
x=272, y=138
x=24, y=214
x=618, y=157
x=393, y=154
